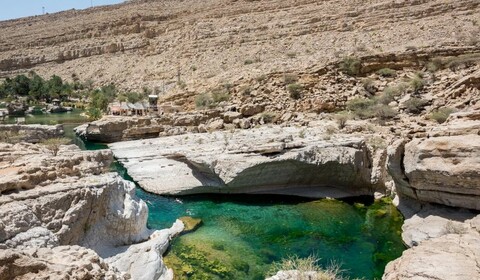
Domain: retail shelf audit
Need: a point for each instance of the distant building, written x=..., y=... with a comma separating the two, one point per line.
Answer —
x=128, y=109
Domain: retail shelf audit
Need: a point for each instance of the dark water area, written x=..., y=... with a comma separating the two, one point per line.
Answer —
x=242, y=235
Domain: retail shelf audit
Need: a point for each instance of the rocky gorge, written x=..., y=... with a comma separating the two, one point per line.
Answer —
x=310, y=99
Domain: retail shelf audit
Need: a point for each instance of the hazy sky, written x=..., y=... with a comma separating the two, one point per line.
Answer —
x=21, y=8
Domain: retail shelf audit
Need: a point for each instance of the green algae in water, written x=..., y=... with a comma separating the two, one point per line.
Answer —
x=242, y=235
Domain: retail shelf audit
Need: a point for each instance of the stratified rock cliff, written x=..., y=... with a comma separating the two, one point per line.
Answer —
x=148, y=43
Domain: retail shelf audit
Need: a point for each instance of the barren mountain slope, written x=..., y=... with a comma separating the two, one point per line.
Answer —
x=150, y=43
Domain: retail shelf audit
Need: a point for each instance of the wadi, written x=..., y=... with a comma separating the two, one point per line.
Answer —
x=242, y=140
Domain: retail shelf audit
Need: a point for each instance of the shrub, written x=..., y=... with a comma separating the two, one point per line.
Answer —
x=392, y=91
x=290, y=79
x=295, y=90
x=306, y=268
x=387, y=72
x=383, y=112
x=351, y=66
x=417, y=83
x=291, y=54
x=203, y=101
x=341, y=119
x=261, y=78
x=359, y=106
x=385, y=98
x=94, y=113
x=441, y=115
x=268, y=117
x=434, y=65
x=368, y=85
x=246, y=90
x=219, y=96
x=248, y=61
x=53, y=144
x=415, y=105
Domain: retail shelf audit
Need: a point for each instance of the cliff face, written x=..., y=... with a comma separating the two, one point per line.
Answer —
x=151, y=43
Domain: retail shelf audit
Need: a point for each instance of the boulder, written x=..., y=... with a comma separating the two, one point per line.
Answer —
x=251, y=109
x=268, y=160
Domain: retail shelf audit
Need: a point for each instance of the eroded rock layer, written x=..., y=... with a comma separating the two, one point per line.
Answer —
x=50, y=203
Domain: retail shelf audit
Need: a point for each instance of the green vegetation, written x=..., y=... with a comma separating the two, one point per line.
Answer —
x=53, y=144
x=441, y=115
x=373, y=107
x=387, y=72
x=290, y=79
x=368, y=85
x=132, y=97
x=351, y=66
x=203, y=101
x=415, y=105
x=99, y=100
x=291, y=54
x=295, y=90
x=453, y=62
x=307, y=268
x=342, y=118
x=268, y=117
x=417, y=83
x=34, y=88
x=212, y=99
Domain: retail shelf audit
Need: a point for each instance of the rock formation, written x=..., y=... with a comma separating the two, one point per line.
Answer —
x=280, y=160
x=442, y=168
x=50, y=203
x=32, y=133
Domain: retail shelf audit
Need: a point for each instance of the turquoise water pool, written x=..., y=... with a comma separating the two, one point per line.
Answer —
x=242, y=235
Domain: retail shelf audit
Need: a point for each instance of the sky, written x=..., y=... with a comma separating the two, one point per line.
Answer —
x=10, y=9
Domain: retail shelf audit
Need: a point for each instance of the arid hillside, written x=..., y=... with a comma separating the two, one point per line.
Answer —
x=155, y=44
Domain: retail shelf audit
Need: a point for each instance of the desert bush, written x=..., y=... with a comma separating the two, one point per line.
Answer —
x=290, y=79
x=385, y=98
x=219, y=96
x=94, y=113
x=261, y=78
x=435, y=64
x=351, y=66
x=268, y=117
x=53, y=144
x=441, y=115
x=203, y=101
x=387, y=72
x=417, y=83
x=246, y=90
x=295, y=90
x=368, y=85
x=248, y=62
x=359, y=106
x=382, y=112
x=307, y=268
x=415, y=105
x=291, y=54
x=341, y=119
